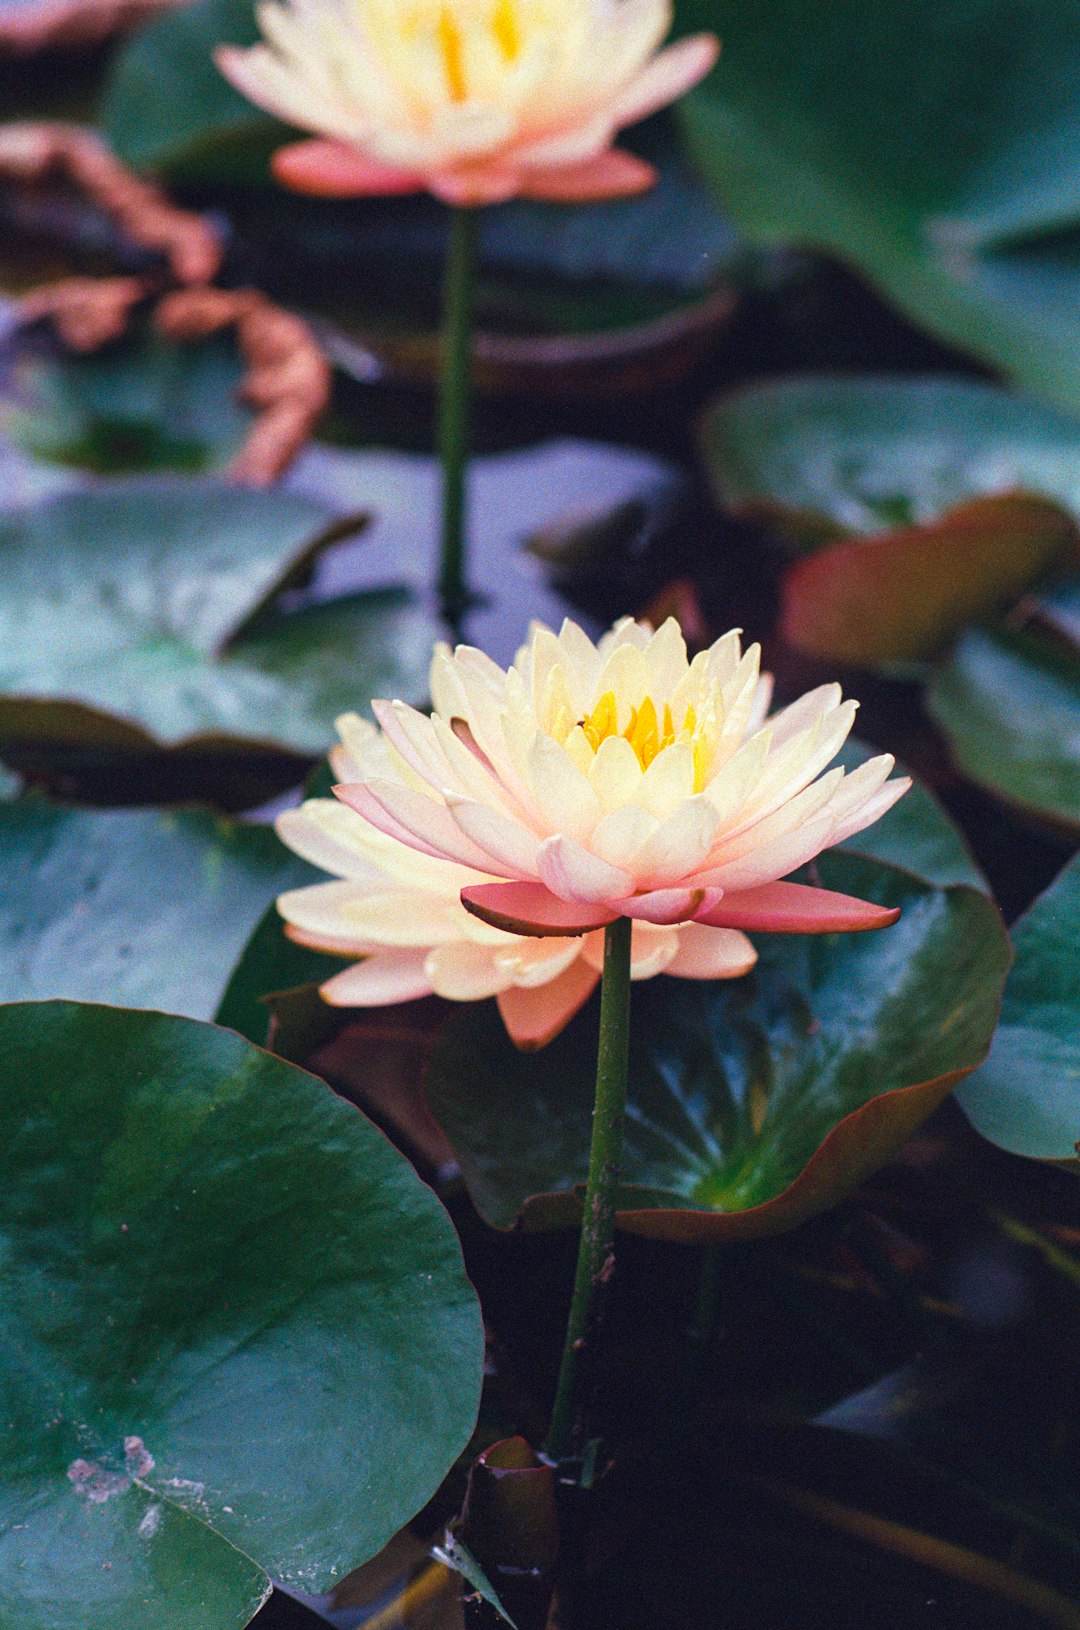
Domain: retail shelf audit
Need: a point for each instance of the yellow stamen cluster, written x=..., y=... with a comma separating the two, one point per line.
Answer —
x=648, y=732
x=501, y=21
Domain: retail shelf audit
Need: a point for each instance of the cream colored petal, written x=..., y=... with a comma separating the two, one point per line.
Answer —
x=465, y=972
x=667, y=77
x=348, y=911
x=680, y=845
x=562, y=794
x=510, y=850
x=800, y=715
x=532, y=962
x=615, y=774
x=711, y=953
x=572, y=873
x=420, y=823
x=620, y=835
x=651, y=950
x=668, y=781
x=381, y=981
x=772, y=860
x=872, y=810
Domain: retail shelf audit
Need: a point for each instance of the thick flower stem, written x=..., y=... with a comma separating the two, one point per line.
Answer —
x=596, y=1250
x=454, y=404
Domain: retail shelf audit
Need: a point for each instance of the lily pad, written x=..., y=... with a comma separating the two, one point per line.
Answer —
x=831, y=455
x=138, y=618
x=142, y=908
x=269, y=965
x=138, y=406
x=238, y=1339
x=1026, y=1097
x=1009, y=704
x=933, y=148
x=907, y=497
x=755, y=1103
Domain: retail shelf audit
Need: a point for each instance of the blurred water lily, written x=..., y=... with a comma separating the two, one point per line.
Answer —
x=476, y=101
x=482, y=850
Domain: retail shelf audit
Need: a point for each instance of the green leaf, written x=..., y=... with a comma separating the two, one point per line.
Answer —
x=141, y=405
x=237, y=1336
x=754, y=1103
x=916, y=834
x=830, y=455
x=130, y=623
x=1026, y=1097
x=1009, y=705
x=268, y=965
x=933, y=149
x=135, y=907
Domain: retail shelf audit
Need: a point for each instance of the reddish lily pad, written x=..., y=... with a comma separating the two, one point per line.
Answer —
x=754, y=1103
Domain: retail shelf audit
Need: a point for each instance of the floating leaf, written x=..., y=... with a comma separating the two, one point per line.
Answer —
x=1026, y=1097
x=935, y=152
x=1010, y=707
x=130, y=624
x=754, y=1103
x=238, y=1339
x=830, y=455
x=906, y=493
x=269, y=965
x=134, y=907
x=141, y=405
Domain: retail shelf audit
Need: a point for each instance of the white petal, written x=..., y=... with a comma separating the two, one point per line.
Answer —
x=572, y=873
x=465, y=972
x=620, y=835
x=679, y=846
x=563, y=796
x=509, y=849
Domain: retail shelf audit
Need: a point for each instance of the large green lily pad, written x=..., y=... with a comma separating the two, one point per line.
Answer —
x=143, y=908
x=238, y=1339
x=844, y=455
x=754, y=1103
x=1009, y=704
x=140, y=405
x=933, y=147
x=922, y=505
x=138, y=618
x=1026, y=1097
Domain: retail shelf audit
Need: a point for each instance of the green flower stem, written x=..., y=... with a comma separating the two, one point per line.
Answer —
x=459, y=294
x=596, y=1251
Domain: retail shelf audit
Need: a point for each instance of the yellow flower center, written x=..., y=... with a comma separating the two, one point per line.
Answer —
x=648, y=732
x=452, y=27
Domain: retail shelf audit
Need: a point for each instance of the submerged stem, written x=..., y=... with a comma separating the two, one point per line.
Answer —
x=459, y=292
x=596, y=1250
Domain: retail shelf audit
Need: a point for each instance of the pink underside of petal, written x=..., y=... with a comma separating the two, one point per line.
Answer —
x=382, y=981
x=613, y=174
x=535, y=1017
x=357, y=797
x=796, y=908
x=668, y=76
x=529, y=908
x=475, y=187
x=667, y=906
x=333, y=169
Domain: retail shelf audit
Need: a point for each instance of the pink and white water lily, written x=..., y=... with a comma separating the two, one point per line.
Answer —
x=481, y=850
x=476, y=101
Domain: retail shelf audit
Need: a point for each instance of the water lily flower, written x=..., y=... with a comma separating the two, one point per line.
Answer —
x=483, y=849
x=476, y=101
x=400, y=912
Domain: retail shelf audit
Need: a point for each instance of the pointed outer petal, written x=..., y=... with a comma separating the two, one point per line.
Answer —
x=529, y=908
x=667, y=77
x=668, y=781
x=535, y=1017
x=801, y=714
x=622, y=833
x=531, y=962
x=873, y=809
x=667, y=906
x=615, y=774
x=412, y=734
x=666, y=657
x=380, y=981
x=465, y=972
x=563, y=796
x=614, y=174
x=327, y=944
x=680, y=845
x=762, y=702
x=361, y=751
x=419, y=822
x=773, y=860
x=711, y=953
x=330, y=837
x=349, y=911
x=796, y=908
x=473, y=186
x=580, y=657
x=333, y=169
x=509, y=848
x=572, y=872
x=730, y=788
x=759, y=831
